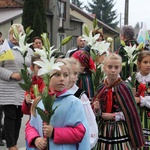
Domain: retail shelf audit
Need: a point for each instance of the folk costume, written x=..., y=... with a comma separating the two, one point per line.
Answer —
x=93, y=129
x=68, y=115
x=85, y=78
x=118, y=134
x=143, y=91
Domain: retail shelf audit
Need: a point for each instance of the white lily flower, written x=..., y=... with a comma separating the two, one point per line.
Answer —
x=52, y=50
x=91, y=39
x=41, y=52
x=48, y=66
x=23, y=47
x=44, y=53
x=101, y=47
x=129, y=50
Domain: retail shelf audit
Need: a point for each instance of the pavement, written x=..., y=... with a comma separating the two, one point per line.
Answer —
x=21, y=141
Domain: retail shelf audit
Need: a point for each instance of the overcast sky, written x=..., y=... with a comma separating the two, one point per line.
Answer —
x=139, y=11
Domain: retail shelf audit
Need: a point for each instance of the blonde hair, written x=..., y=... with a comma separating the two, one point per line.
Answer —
x=64, y=64
x=19, y=28
x=111, y=57
x=72, y=61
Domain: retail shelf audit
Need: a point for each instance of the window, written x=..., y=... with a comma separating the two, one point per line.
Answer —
x=61, y=36
x=61, y=9
x=74, y=41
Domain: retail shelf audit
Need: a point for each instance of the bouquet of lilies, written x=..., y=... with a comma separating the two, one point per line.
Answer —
x=23, y=48
x=131, y=52
x=97, y=49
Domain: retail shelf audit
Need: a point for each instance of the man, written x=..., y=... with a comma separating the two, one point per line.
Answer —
x=80, y=46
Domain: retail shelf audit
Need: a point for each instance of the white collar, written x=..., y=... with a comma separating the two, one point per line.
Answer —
x=143, y=79
x=74, y=88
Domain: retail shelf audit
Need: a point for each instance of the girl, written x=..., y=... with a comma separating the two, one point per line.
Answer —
x=29, y=97
x=68, y=127
x=37, y=43
x=119, y=123
x=74, y=68
x=143, y=94
x=85, y=77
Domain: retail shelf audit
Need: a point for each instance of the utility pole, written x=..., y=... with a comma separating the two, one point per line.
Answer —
x=126, y=12
x=120, y=20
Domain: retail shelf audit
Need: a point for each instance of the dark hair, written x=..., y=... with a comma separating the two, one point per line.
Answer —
x=0, y=33
x=35, y=58
x=98, y=32
x=36, y=37
x=142, y=55
x=128, y=32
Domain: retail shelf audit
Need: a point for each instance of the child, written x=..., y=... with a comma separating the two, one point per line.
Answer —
x=68, y=127
x=29, y=97
x=143, y=94
x=119, y=123
x=85, y=77
x=74, y=68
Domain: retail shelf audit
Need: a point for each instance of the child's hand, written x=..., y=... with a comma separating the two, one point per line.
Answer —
x=28, y=99
x=108, y=116
x=96, y=106
x=47, y=130
x=134, y=91
x=40, y=143
x=137, y=99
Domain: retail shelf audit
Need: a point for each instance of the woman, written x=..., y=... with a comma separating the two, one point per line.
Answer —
x=11, y=95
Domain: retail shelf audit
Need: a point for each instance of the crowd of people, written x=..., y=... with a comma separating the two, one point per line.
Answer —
x=115, y=117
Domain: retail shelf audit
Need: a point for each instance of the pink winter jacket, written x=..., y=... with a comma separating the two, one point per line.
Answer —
x=60, y=134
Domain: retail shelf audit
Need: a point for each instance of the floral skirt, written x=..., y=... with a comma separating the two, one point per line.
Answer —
x=113, y=136
x=145, y=121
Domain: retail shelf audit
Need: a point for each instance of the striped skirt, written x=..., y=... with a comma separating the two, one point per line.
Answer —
x=145, y=121
x=85, y=83
x=113, y=136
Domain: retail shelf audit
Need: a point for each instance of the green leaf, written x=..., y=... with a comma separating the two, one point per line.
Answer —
x=86, y=30
x=46, y=42
x=23, y=86
x=66, y=40
x=28, y=31
x=15, y=31
x=93, y=55
x=135, y=58
x=48, y=102
x=94, y=23
x=123, y=43
x=43, y=115
x=140, y=46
